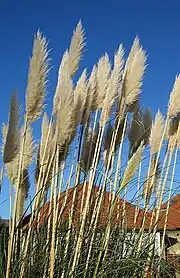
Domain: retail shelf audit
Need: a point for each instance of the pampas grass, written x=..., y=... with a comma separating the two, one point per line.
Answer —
x=87, y=152
x=80, y=96
x=147, y=123
x=84, y=165
x=47, y=140
x=76, y=48
x=114, y=82
x=65, y=117
x=37, y=78
x=11, y=144
x=156, y=133
x=92, y=89
x=103, y=74
x=107, y=143
x=134, y=71
x=29, y=147
x=132, y=166
x=135, y=134
x=23, y=194
x=63, y=79
x=173, y=109
x=150, y=186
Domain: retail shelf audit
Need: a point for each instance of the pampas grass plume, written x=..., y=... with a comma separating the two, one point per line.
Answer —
x=156, y=132
x=37, y=78
x=76, y=48
x=174, y=101
x=11, y=145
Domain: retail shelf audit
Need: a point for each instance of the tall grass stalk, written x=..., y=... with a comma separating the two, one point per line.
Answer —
x=11, y=239
x=90, y=185
x=49, y=219
x=89, y=157
x=39, y=190
x=158, y=191
x=137, y=195
x=52, y=252
x=169, y=199
x=151, y=184
x=10, y=205
x=162, y=190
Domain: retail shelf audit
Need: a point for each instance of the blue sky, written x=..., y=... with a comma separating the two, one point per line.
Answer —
x=107, y=24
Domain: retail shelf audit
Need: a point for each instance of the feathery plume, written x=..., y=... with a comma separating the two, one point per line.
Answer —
x=90, y=140
x=174, y=101
x=63, y=81
x=25, y=183
x=178, y=138
x=69, y=65
x=11, y=146
x=20, y=204
x=92, y=89
x=173, y=125
x=107, y=143
x=85, y=148
x=148, y=186
x=4, y=131
x=119, y=132
x=108, y=136
x=66, y=122
x=156, y=133
x=29, y=147
x=134, y=71
x=132, y=166
x=12, y=169
x=91, y=99
x=134, y=106
x=147, y=123
x=118, y=67
x=136, y=131
x=103, y=73
x=37, y=78
x=80, y=95
x=173, y=133
x=44, y=134
x=64, y=117
x=48, y=140
x=113, y=85
x=23, y=194
x=135, y=47
x=76, y=48
x=172, y=142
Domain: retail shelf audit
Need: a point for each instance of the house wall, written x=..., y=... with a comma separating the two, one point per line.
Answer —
x=174, y=249
x=174, y=234
x=173, y=252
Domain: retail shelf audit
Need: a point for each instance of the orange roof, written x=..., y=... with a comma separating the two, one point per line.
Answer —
x=173, y=217
x=173, y=222
x=116, y=215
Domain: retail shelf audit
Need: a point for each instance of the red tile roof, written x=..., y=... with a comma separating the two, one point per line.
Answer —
x=173, y=217
x=173, y=222
x=130, y=209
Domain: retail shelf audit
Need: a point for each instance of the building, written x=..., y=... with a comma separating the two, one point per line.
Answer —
x=172, y=239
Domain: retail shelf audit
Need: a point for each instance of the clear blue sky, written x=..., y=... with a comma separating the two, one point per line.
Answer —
x=107, y=24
